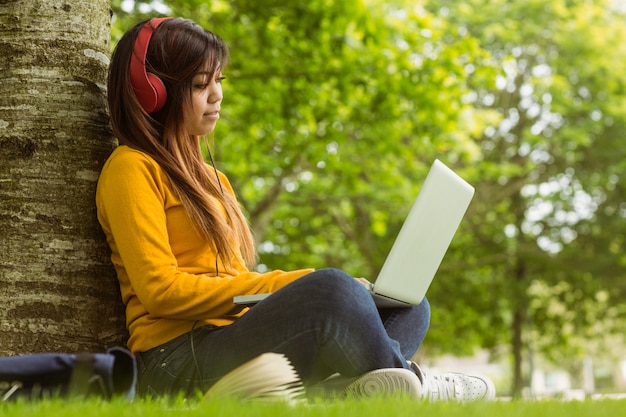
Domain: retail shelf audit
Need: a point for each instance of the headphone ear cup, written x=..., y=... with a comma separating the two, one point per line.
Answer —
x=160, y=93
x=149, y=88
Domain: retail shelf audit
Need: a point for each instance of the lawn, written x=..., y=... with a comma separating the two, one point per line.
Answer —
x=377, y=407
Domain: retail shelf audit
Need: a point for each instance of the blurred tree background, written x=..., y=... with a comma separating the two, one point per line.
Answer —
x=333, y=112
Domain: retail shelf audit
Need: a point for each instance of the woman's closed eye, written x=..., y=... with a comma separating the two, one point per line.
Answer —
x=203, y=84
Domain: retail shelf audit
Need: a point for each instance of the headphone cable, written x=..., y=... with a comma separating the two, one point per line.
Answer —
x=193, y=328
x=195, y=358
x=219, y=183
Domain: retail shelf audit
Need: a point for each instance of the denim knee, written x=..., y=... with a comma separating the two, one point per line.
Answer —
x=332, y=278
x=336, y=290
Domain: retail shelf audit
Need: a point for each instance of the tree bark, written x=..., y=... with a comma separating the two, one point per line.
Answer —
x=58, y=290
x=520, y=299
x=517, y=348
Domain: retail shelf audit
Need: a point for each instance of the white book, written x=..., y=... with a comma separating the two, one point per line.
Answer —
x=269, y=376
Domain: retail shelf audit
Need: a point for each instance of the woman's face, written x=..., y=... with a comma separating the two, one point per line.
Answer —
x=206, y=98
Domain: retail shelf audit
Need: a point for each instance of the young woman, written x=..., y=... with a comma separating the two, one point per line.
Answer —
x=182, y=248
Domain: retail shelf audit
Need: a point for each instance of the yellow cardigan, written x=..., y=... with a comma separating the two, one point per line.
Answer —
x=165, y=268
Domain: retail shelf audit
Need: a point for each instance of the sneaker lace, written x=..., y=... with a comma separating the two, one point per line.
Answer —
x=441, y=387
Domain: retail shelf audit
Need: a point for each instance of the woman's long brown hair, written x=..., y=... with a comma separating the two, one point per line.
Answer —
x=178, y=50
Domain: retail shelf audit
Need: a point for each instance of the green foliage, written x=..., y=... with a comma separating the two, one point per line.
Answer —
x=550, y=167
x=333, y=112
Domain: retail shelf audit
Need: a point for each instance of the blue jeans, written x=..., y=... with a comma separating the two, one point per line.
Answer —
x=325, y=322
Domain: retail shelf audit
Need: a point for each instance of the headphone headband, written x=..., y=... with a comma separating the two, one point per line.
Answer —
x=148, y=87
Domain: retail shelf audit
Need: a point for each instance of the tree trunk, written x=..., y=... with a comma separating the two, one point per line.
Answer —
x=58, y=291
x=520, y=304
x=517, y=347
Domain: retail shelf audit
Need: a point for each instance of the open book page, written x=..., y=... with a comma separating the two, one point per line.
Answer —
x=269, y=376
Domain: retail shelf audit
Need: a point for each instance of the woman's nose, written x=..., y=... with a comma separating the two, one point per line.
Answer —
x=215, y=93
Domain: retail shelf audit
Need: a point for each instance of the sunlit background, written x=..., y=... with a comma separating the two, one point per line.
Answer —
x=333, y=112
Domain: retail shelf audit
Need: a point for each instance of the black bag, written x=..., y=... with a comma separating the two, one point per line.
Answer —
x=44, y=375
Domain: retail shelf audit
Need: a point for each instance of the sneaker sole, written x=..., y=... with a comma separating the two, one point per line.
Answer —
x=385, y=382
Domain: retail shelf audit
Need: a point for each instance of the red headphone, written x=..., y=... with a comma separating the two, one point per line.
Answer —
x=148, y=87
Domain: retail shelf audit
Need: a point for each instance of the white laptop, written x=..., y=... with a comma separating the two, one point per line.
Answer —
x=421, y=244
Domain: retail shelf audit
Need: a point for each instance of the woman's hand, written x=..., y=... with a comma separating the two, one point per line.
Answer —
x=364, y=282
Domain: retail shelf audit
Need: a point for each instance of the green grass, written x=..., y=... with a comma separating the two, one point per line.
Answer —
x=377, y=407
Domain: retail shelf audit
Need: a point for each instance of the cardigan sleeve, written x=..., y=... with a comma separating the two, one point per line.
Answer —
x=135, y=203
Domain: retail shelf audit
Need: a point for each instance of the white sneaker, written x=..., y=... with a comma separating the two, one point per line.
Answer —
x=386, y=382
x=455, y=386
